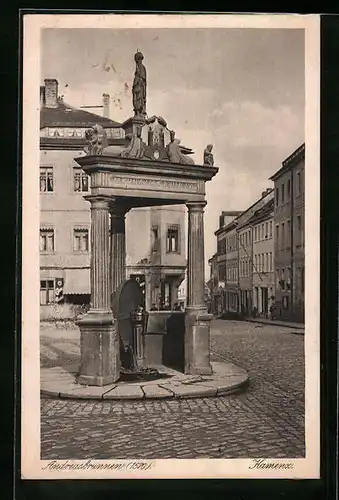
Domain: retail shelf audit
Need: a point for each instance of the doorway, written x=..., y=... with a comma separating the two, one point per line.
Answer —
x=264, y=301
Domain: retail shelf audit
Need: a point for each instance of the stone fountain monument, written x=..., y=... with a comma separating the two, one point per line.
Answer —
x=153, y=170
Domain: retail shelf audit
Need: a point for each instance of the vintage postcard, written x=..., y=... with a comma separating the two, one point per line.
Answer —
x=170, y=293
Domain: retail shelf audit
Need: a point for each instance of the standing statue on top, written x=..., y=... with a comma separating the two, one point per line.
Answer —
x=208, y=155
x=139, y=86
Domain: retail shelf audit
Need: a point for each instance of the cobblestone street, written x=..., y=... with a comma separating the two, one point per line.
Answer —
x=265, y=421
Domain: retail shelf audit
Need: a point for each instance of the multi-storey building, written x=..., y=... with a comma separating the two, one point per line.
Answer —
x=245, y=252
x=263, y=278
x=244, y=231
x=289, y=236
x=232, y=268
x=227, y=276
x=212, y=283
x=155, y=243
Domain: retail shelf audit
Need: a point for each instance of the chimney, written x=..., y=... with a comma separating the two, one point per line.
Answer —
x=51, y=93
x=264, y=193
x=105, y=103
x=42, y=95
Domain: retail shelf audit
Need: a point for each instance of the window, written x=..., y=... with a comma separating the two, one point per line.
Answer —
x=46, y=240
x=46, y=180
x=282, y=235
x=298, y=182
x=277, y=235
x=299, y=230
x=266, y=229
x=222, y=273
x=282, y=193
x=172, y=239
x=271, y=263
x=277, y=276
x=155, y=239
x=277, y=196
x=288, y=235
x=282, y=280
x=221, y=246
x=80, y=180
x=271, y=224
x=289, y=188
x=80, y=240
x=288, y=279
x=46, y=292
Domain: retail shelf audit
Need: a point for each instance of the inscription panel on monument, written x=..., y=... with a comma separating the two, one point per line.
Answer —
x=151, y=184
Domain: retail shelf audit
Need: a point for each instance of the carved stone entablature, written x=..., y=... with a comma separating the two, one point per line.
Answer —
x=153, y=140
x=151, y=183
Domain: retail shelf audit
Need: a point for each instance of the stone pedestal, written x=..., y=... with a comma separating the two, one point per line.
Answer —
x=100, y=361
x=197, y=341
x=197, y=320
x=132, y=125
x=99, y=354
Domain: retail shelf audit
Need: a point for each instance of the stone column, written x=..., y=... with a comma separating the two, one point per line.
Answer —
x=100, y=364
x=100, y=277
x=118, y=245
x=197, y=320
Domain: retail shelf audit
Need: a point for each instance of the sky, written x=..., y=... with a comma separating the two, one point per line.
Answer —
x=241, y=90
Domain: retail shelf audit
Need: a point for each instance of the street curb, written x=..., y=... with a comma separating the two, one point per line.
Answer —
x=222, y=384
x=287, y=325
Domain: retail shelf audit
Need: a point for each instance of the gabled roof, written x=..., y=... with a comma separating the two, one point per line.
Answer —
x=263, y=212
x=289, y=162
x=65, y=115
x=225, y=229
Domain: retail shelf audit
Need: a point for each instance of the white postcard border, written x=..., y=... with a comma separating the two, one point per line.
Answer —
x=31, y=465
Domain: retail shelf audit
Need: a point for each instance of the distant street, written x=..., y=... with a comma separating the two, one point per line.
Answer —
x=265, y=421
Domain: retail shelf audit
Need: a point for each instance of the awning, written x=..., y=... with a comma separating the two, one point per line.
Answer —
x=77, y=282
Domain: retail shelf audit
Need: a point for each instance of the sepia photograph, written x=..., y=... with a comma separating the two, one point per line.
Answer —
x=170, y=246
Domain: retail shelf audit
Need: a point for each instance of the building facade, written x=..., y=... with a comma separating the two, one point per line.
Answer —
x=244, y=231
x=226, y=263
x=155, y=245
x=289, y=213
x=212, y=284
x=263, y=278
x=245, y=252
x=259, y=267
x=232, y=304
x=155, y=242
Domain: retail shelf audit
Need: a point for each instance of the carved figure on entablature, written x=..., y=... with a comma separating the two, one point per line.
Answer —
x=136, y=147
x=178, y=153
x=208, y=155
x=156, y=131
x=96, y=138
